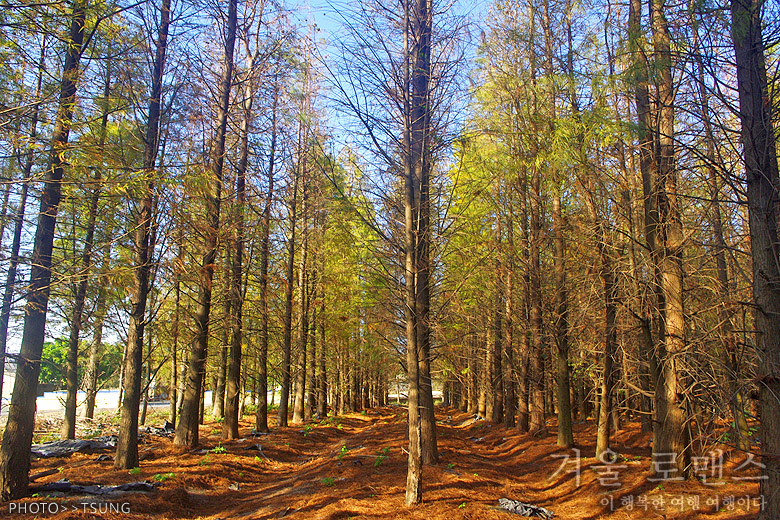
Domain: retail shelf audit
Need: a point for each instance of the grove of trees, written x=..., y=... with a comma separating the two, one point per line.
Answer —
x=548, y=210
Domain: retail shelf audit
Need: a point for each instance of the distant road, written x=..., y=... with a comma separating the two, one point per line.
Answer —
x=52, y=404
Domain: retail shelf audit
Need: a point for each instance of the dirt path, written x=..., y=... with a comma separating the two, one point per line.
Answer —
x=355, y=467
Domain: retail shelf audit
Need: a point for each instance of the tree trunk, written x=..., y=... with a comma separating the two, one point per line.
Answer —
x=763, y=194
x=322, y=376
x=284, y=394
x=230, y=426
x=82, y=276
x=671, y=434
x=218, y=395
x=261, y=419
x=17, y=438
x=127, y=445
x=91, y=377
x=187, y=429
x=565, y=434
x=303, y=306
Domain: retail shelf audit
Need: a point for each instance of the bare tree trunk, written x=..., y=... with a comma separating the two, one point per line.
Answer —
x=230, y=426
x=218, y=395
x=17, y=438
x=91, y=376
x=303, y=305
x=763, y=194
x=648, y=173
x=127, y=445
x=537, y=421
x=671, y=435
x=311, y=372
x=507, y=364
x=565, y=434
x=173, y=385
x=284, y=394
x=417, y=220
x=322, y=376
x=187, y=429
x=261, y=419
x=495, y=348
x=82, y=277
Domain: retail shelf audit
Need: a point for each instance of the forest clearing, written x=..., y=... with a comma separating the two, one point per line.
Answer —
x=353, y=466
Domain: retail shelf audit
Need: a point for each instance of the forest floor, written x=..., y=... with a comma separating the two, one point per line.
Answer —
x=354, y=466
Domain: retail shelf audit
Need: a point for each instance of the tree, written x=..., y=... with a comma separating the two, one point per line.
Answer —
x=763, y=198
x=127, y=446
x=17, y=438
x=187, y=429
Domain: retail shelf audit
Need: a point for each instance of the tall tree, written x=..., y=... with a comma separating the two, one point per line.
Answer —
x=17, y=438
x=763, y=197
x=671, y=435
x=187, y=429
x=126, y=456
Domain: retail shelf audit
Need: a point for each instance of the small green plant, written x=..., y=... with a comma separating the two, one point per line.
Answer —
x=340, y=426
x=219, y=449
x=258, y=459
x=162, y=477
x=450, y=465
x=343, y=452
x=135, y=471
x=462, y=505
x=220, y=420
x=307, y=429
x=379, y=460
x=659, y=487
x=328, y=481
x=241, y=474
x=364, y=412
x=385, y=451
x=205, y=461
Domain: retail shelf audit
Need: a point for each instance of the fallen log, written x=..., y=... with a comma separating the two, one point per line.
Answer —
x=65, y=486
x=65, y=448
x=523, y=509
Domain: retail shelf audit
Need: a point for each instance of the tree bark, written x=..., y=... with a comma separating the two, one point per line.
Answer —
x=671, y=434
x=127, y=446
x=284, y=394
x=17, y=438
x=187, y=429
x=82, y=276
x=261, y=419
x=565, y=434
x=763, y=194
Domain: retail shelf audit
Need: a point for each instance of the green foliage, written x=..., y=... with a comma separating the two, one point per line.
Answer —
x=54, y=363
x=219, y=449
x=162, y=477
x=54, y=360
x=328, y=481
x=135, y=471
x=344, y=451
